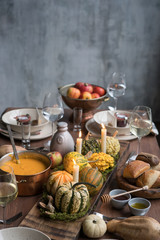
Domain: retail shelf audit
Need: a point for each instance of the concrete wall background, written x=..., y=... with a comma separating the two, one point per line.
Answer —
x=48, y=43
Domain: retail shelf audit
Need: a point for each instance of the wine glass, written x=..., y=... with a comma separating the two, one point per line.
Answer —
x=52, y=110
x=140, y=123
x=8, y=187
x=116, y=87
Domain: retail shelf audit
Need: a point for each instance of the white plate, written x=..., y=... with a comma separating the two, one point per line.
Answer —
x=10, y=118
x=19, y=233
x=107, y=117
x=44, y=133
x=95, y=129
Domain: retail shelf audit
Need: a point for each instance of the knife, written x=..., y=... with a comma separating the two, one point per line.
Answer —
x=132, y=156
x=106, y=219
x=12, y=219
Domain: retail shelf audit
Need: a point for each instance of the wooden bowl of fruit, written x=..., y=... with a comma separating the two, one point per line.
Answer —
x=84, y=95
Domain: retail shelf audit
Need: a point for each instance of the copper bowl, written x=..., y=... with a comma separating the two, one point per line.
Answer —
x=87, y=105
x=29, y=185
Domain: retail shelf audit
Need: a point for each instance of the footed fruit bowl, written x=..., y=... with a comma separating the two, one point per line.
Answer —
x=88, y=105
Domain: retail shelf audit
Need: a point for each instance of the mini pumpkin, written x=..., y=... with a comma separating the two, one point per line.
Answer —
x=94, y=226
x=71, y=198
x=56, y=179
x=74, y=157
x=92, y=176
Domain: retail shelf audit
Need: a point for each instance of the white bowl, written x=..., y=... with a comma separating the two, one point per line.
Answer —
x=139, y=212
x=107, y=118
x=9, y=118
x=121, y=201
x=19, y=233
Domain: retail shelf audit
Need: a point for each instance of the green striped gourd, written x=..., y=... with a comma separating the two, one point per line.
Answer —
x=74, y=157
x=71, y=198
x=92, y=176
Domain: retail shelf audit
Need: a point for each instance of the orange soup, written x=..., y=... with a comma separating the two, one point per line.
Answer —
x=27, y=166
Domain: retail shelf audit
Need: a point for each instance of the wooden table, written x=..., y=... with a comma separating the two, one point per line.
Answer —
x=149, y=144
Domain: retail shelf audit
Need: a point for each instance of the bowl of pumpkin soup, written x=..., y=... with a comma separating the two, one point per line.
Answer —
x=31, y=172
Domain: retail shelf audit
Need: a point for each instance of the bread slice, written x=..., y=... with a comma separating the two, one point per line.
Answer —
x=135, y=168
x=148, y=178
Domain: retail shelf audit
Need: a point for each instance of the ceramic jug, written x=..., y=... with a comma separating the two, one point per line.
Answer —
x=62, y=140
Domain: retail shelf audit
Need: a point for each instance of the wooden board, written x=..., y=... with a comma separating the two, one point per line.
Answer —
x=151, y=193
x=59, y=229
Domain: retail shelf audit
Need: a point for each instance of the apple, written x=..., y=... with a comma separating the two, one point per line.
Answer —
x=56, y=158
x=78, y=85
x=86, y=87
x=86, y=95
x=95, y=95
x=73, y=92
x=101, y=91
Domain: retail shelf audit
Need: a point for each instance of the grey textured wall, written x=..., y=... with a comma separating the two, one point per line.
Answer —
x=48, y=43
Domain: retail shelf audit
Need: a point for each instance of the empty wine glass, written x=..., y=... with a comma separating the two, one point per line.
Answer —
x=140, y=123
x=8, y=187
x=52, y=110
x=116, y=87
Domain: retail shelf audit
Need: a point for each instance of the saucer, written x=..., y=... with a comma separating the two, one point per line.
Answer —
x=94, y=128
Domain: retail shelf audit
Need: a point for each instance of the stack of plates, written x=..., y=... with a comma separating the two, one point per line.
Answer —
x=94, y=125
x=44, y=128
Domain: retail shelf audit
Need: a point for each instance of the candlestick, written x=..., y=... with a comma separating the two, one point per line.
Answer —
x=103, y=138
x=79, y=143
x=75, y=172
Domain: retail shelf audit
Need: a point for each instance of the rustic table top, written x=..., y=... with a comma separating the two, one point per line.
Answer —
x=27, y=204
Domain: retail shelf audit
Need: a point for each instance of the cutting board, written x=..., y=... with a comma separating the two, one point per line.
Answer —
x=59, y=229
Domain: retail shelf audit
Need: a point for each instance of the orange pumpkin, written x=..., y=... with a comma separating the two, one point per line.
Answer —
x=56, y=179
x=92, y=176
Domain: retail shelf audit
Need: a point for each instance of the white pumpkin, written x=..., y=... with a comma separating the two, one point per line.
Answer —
x=94, y=226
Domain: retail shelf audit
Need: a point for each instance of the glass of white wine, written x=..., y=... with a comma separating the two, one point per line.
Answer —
x=52, y=110
x=116, y=87
x=140, y=123
x=8, y=187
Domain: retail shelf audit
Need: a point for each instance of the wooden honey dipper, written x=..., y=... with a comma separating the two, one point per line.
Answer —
x=106, y=197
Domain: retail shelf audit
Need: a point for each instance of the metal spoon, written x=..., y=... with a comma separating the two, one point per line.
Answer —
x=13, y=143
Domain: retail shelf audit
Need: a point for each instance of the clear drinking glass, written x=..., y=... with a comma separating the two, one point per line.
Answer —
x=52, y=110
x=26, y=131
x=77, y=118
x=116, y=87
x=140, y=123
x=8, y=187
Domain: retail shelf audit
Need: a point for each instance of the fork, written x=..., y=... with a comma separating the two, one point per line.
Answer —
x=12, y=219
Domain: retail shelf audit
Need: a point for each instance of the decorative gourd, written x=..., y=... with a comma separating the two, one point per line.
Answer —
x=102, y=161
x=69, y=158
x=93, y=176
x=56, y=179
x=112, y=146
x=94, y=226
x=71, y=198
x=92, y=145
